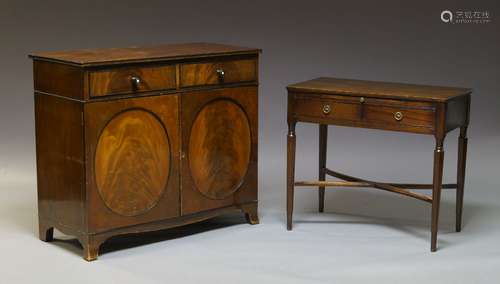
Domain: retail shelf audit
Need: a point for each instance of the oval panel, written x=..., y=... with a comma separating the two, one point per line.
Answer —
x=132, y=162
x=219, y=148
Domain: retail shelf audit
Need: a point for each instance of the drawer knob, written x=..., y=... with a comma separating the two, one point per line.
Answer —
x=398, y=115
x=327, y=109
x=362, y=100
x=220, y=75
x=135, y=81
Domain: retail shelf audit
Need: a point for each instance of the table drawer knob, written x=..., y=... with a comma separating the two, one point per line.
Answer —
x=398, y=115
x=327, y=109
x=220, y=75
x=136, y=81
x=362, y=100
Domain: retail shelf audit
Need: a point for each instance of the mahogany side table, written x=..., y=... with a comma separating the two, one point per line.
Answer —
x=409, y=108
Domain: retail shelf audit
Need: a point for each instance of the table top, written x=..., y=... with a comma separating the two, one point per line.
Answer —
x=89, y=57
x=378, y=89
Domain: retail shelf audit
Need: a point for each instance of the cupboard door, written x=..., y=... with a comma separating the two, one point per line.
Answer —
x=219, y=146
x=132, y=150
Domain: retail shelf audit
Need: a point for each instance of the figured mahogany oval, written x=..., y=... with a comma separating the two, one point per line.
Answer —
x=132, y=162
x=219, y=148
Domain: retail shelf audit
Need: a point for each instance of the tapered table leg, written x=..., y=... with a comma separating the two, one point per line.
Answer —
x=462, y=155
x=290, y=174
x=323, y=137
x=436, y=190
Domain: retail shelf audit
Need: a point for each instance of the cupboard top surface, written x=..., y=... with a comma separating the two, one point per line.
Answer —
x=105, y=56
x=378, y=89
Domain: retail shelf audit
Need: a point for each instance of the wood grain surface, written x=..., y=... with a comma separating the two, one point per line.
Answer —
x=378, y=89
x=112, y=151
x=101, y=56
x=219, y=148
x=132, y=162
x=59, y=79
x=119, y=80
x=339, y=109
x=409, y=117
x=380, y=105
x=198, y=74
x=60, y=160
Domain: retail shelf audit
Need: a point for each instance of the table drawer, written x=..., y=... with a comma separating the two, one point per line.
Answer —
x=125, y=80
x=399, y=113
x=212, y=73
x=327, y=108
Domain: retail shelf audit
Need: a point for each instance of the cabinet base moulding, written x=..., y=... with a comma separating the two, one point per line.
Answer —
x=91, y=242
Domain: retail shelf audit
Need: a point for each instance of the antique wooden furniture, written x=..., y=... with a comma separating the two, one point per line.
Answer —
x=378, y=105
x=137, y=139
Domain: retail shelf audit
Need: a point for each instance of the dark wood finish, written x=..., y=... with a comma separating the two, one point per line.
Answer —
x=365, y=112
x=383, y=186
x=457, y=112
x=356, y=183
x=340, y=108
x=120, y=80
x=323, y=137
x=462, y=157
x=250, y=210
x=413, y=114
x=220, y=148
x=370, y=184
x=116, y=157
x=436, y=191
x=132, y=162
x=133, y=155
x=145, y=128
x=375, y=89
x=410, y=108
x=92, y=242
x=323, y=184
x=290, y=173
x=290, y=164
x=199, y=74
x=158, y=53
x=47, y=79
x=60, y=161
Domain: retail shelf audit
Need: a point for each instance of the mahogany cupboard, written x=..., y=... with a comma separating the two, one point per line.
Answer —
x=137, y=139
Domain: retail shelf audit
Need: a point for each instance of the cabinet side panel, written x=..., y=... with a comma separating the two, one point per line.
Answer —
x=58, y=79
x=60, y=160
